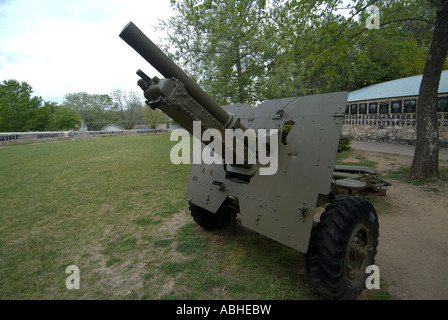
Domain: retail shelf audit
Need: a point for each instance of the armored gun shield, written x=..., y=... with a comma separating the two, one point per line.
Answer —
x=280, y=205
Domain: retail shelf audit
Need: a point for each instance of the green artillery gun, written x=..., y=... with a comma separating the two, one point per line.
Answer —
x=281, y=204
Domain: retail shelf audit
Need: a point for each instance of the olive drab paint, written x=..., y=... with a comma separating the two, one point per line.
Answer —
x=277, y=205
x=272, y=165
x=279, y=158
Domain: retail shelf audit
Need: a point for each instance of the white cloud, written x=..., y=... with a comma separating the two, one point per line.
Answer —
x=61, y=47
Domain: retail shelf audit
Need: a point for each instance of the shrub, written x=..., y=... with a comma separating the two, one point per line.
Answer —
x=344, y=144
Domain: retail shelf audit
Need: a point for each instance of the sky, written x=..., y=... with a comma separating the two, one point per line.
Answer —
x=65, y=46
x=68, y=46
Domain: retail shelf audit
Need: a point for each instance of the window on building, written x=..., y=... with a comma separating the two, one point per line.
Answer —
x=442, y=105
x=353, y=109
x=363, y=108
x=384, y=107
x=347, y=109
x=410, y=106
x=373, y=108
x=395, y=106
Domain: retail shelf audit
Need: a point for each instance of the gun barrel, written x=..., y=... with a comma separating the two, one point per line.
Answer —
x=135, y=38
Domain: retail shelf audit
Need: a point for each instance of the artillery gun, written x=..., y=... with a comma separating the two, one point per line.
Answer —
x=280, y=205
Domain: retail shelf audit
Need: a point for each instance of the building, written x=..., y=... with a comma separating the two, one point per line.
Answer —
x=161, y=127
x=112, y=127
x=141, y=127
x=386, y=112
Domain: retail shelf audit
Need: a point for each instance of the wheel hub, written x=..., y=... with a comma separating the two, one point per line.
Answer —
x=358, y=252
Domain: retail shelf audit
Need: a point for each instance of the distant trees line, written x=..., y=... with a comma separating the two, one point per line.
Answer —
x=21, y=112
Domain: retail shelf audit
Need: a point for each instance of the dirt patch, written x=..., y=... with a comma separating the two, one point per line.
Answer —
x=413, y=245
x=168, y=230
x=125, y=277
x=413, y=254
x=170, y=227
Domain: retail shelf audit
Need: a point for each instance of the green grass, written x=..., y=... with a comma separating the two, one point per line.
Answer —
x=402, y=174
x=359, y=158
x=114, y=207
x=84, y=202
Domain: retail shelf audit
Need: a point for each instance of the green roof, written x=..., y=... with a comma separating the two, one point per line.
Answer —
x=404, y=87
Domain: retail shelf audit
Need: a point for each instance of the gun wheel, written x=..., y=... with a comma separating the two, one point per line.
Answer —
x=343, y=244
x=208, y=220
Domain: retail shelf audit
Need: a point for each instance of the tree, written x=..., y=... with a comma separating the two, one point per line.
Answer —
x=222, y=44
x=40, y=118
x=247, y=51
x=128, y=106
x=93, y=108
x=153, y=117
x=426, y=158
x=17, y=107
x=65, y=118
x=325, y=51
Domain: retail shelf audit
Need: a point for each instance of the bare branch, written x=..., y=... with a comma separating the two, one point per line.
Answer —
x=393, y=21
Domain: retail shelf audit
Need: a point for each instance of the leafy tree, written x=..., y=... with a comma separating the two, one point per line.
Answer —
x=248, y=51
x=154, y=117
x=326, y=51
x=93, y=108
x=422, y=30
x=65, y=118
x=17, y=107
x=426, y=158
x=128, y=106
x=222, y=44
x=40, y=118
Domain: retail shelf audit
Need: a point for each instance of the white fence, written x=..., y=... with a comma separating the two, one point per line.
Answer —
x=32, y=137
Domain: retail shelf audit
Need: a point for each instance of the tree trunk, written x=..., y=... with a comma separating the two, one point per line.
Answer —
x=426, y=157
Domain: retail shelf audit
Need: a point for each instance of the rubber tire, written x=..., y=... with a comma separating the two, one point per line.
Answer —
x=329, y=241
x=208, y=220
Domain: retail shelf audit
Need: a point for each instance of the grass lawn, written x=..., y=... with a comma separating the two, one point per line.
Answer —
x=114, y=207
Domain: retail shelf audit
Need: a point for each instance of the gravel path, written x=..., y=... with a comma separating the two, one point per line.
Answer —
x=405, y=150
